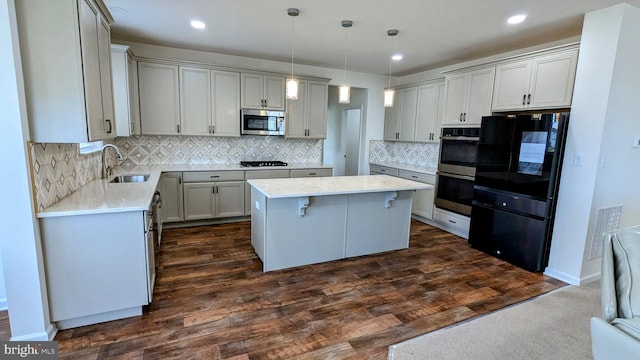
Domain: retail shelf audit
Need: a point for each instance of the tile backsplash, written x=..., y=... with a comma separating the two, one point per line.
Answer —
x=144, y=150
x=409, y=153
x=59, y=169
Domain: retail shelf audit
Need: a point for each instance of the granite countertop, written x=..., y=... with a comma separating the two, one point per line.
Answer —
x=402, y=166
x=334, y=185
x=99, y=196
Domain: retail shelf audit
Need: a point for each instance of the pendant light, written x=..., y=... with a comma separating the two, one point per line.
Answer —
x=344, y=91
x=292, y=84
x=389, y=92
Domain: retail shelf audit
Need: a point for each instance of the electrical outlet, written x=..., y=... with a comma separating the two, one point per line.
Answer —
x=636, y=142
x=577, y=159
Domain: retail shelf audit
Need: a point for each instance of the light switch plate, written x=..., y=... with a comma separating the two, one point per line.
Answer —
x=636, y=142
x=577, y=159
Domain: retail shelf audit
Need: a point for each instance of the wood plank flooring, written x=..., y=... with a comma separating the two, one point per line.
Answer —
x=212, y=300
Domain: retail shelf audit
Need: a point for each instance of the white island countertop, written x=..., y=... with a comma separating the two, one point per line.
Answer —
x=334, y=185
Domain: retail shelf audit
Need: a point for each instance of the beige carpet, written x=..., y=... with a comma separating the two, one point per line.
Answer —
x=551, y=326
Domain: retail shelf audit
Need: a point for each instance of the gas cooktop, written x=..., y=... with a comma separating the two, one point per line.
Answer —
x=262, y=163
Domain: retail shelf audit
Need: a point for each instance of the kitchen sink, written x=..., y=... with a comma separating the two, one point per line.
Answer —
x=130, y=178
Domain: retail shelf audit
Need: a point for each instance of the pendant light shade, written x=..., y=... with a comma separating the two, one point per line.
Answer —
x=292, y=84
x=389, y=92
x=388, y=97
x=292, y=89
x=344, y=91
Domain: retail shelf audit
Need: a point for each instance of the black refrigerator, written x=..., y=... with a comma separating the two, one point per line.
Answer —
x=516, y=186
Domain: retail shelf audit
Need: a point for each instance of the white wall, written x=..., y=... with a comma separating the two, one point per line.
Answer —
x=19, y=239
x=603, y=121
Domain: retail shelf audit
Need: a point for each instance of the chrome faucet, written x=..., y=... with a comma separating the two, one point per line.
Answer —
x=107, y=170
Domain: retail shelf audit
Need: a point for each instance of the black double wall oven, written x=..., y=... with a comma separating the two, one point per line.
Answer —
x=457, y=169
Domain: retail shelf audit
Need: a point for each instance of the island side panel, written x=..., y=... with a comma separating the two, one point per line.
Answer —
x=258, y=222
x=294, y=240
x=373, y=228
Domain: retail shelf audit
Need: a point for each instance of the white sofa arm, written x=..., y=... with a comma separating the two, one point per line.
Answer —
x=610, y=343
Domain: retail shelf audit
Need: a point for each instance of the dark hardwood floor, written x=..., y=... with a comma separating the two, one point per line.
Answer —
x=212, y=300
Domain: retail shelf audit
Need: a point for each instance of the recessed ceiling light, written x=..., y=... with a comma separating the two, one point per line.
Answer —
x=197, y=24
x=516, y=19
x=396, y=57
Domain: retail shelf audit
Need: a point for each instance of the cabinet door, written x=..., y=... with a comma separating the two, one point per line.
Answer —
x=427, y=110
x=199, y=201
x=479, y=96
x=120, y=63
x=134, y=111
x=274, y=92
x=195, y=101
x=407, y=128
x=295, y=123
x=229, y=198
x=552, y=79
x=511, y=86
x=252, y=90
x=91, y=70
x=226, y=103
x=392, y=118
x=106, y=83
x=455, y=97
x=316, y=112
x=159, y=99
x=171, y=194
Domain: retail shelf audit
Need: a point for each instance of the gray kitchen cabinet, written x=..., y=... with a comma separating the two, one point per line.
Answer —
x=209, y=102
x=382, y=170
x=260, y=174
x=400, y=119
x=159, y=98
x=262, y=91
x=307, y=116
x=68, y=86
x=125, y=90
x=171, y=194
x=468, y=96
x=213, y=194
x=319, y=172
x=430, y=111
x=84, y=286
x=540, y=82
x=422, y=199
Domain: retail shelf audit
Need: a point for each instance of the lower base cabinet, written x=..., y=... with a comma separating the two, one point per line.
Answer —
x=213, y=194
x=422, y=199
x=85, y=286
x=171, y=193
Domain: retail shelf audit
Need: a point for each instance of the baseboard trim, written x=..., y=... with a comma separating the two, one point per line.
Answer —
x=48, y=335
x=590, y=278
x=3, y=304
x=559, y=275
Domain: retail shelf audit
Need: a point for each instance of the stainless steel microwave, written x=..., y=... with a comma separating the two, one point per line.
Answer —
x=262, y=122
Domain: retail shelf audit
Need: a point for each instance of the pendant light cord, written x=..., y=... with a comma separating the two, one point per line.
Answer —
x=390, y=55
x=293, y=33
x=346, y=41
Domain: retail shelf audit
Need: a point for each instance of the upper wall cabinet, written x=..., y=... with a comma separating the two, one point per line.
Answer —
x=159, y=98
x=307, y=116
x=541, y=82
x=125, y=91
x=66, y=61
x=416, y=114
x=209, y=102
x=262, y=91
x=468, y=97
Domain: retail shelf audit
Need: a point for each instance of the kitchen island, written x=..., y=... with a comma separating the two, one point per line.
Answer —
x=305, y=221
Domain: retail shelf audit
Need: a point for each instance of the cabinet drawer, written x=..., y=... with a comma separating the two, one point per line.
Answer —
x=416, y=176
x=201, y=176
x=267, y=174
x=311, y=173
x=458, y=223
x=379, y=169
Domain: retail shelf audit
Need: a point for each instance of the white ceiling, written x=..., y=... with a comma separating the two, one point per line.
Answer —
x=433, y=33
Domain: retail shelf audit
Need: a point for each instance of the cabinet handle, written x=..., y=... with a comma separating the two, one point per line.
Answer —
x=528, y=99
x=524, y=98
x=213, y=129
x=451, y=221
x=311, y=174
x=133, y=126
x=178, y=128
x=109, y=126
x=464, y=117
x=215, y=176
x=179, y=180
x=209, y=129
x=460, y=116
x=413, y=176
